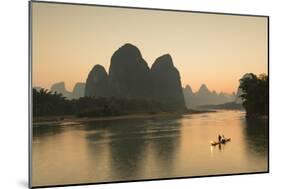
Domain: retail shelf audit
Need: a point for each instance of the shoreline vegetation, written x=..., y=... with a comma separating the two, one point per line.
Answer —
x=51, y=107
x=42, y=120
x=255, y=95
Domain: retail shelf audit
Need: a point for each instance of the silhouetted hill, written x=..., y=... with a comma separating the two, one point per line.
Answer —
x=203, y=91
x=97, y=82
x=189, y=97
x=188, y=90
x=60, y=89
x=166, y=83
x=78, y=91
x=130, y=78
x=129, y=74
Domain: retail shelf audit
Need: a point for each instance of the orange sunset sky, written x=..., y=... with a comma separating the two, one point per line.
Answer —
x=213, y=49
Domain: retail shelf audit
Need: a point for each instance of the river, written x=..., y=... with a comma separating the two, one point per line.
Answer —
x=151, y=148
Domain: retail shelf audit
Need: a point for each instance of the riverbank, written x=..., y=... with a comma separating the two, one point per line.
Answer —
x=43, y=120
x=257, y=116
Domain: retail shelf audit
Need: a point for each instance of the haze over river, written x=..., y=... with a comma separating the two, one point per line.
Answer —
x=148, y=148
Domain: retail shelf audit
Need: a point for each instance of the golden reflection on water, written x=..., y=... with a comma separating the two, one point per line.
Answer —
x=148, y=148
x=212, y=150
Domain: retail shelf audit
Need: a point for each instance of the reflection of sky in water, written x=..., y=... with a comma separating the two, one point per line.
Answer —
x=148, y=148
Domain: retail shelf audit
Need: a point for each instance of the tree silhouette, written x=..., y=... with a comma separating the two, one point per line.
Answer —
x=255, y=94
x=48, y=103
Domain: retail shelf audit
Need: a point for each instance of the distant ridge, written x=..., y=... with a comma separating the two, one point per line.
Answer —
x=78, y=91
x=205, y=97
x=59, y=87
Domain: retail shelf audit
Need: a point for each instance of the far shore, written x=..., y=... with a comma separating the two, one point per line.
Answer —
x=42, y=120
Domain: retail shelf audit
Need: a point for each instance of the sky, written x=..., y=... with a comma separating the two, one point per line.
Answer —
x=217, y=50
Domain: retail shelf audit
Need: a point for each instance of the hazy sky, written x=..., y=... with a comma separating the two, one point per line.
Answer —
x=213, y=49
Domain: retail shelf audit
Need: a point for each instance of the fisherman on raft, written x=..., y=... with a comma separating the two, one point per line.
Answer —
x=221, y=138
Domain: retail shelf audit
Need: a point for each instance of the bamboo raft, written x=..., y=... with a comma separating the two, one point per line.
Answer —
x=214, y=143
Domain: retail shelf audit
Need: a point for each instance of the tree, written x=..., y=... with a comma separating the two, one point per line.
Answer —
x=255, y=94
x=49, y=103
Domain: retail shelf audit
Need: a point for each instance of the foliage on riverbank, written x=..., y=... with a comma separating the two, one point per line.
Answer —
x=47, y=103
x=255, y=94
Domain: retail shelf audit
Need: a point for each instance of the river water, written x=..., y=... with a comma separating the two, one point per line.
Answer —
x=148, y=148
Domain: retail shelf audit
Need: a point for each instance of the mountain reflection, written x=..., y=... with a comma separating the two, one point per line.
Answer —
x=149, y=143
